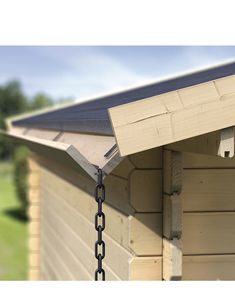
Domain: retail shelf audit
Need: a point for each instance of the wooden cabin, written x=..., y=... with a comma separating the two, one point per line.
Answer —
x=166, y=151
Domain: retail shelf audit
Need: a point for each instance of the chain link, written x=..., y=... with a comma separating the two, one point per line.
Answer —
x=100, y=225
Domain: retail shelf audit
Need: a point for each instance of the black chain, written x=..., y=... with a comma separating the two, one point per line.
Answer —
x=100, y=225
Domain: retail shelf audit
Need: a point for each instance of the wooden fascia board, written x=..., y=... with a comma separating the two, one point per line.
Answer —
x=174, y=116
x=65, y=153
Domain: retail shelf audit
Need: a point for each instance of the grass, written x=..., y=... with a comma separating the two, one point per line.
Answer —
x=13, y=230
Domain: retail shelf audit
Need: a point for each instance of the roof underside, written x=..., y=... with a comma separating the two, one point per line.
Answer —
x=92, y=116
x=142, y=118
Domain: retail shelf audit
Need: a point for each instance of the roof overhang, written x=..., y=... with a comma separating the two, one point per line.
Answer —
x=174, y=116
x=84, y=152
x=185, y=113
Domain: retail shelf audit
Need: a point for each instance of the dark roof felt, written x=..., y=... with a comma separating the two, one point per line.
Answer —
x=92, y=116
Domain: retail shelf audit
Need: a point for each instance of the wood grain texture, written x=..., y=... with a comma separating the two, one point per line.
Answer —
x=209, y=267
x=146, y=268
x=172, y=259
x=41, y=134
x=127, y=231
x=34, y=244
x=79, y=235
x=215, y=143
x=207, y=144
x=34, y=195
x=34, y=228
x=34, y=260
x=34, y=212
x=52, y=259
x=148, y=159
x=92, y=147
x=172, y=171
x=123, y=169
x=68, y=259
x=146, y=190
x=208, y=190
x=209, y=233
x=172, y=216
x=91, y=116
x=146, y=234
x=192, y=161
x=196, y=110
x=58, y=151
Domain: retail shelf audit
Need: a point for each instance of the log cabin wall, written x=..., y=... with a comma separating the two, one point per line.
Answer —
x=208, y=235
x=133, y=209
x=62, y=236
x=34, y=218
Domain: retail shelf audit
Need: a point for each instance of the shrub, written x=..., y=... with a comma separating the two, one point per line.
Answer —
x=21, y=177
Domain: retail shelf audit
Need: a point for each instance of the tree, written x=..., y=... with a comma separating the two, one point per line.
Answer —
x=12, y=102
x=40, y=101
x=12, y=99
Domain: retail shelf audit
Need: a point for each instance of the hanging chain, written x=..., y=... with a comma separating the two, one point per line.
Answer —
x=100, y=225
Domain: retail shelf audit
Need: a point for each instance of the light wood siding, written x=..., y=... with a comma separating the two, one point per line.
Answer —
x=34, y=218
x=133, y=209
x=208, y=235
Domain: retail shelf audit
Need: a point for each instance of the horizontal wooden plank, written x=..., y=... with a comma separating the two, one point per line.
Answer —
x=42, y=134
x=34, y=195
x=70, y=185
x=146, y=190
x=117, y=224
x=205, y=161
x=34, y=243
x=33, y=164
x=80, y=240
x=146, y=268
x=187, y=118
x=34, y=212
x=209, y=233
x=124, y=169
x=34, y=180
x=146, y=234
x=92, y=147
x=208, y=190
x=34, y=260
x=125, y=230
x=66, y=258
x=53, y=265
x=225, y=85
x=148, y=159
x=209, y=267
x=91, y=116
x=34, y=228
x=60, y=152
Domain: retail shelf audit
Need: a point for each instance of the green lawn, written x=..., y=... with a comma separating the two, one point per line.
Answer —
x=13, y=230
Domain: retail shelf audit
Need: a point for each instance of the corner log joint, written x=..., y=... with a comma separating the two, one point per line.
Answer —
x=172, y=215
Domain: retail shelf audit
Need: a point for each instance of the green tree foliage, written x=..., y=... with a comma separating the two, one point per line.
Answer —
x=12, y=99
x=20, y=177
x=40, y=101
x=12, y=102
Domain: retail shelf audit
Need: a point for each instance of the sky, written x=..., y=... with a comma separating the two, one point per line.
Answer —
x=80, y=72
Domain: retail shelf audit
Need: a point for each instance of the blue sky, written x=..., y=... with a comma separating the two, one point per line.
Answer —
x=82, y=72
